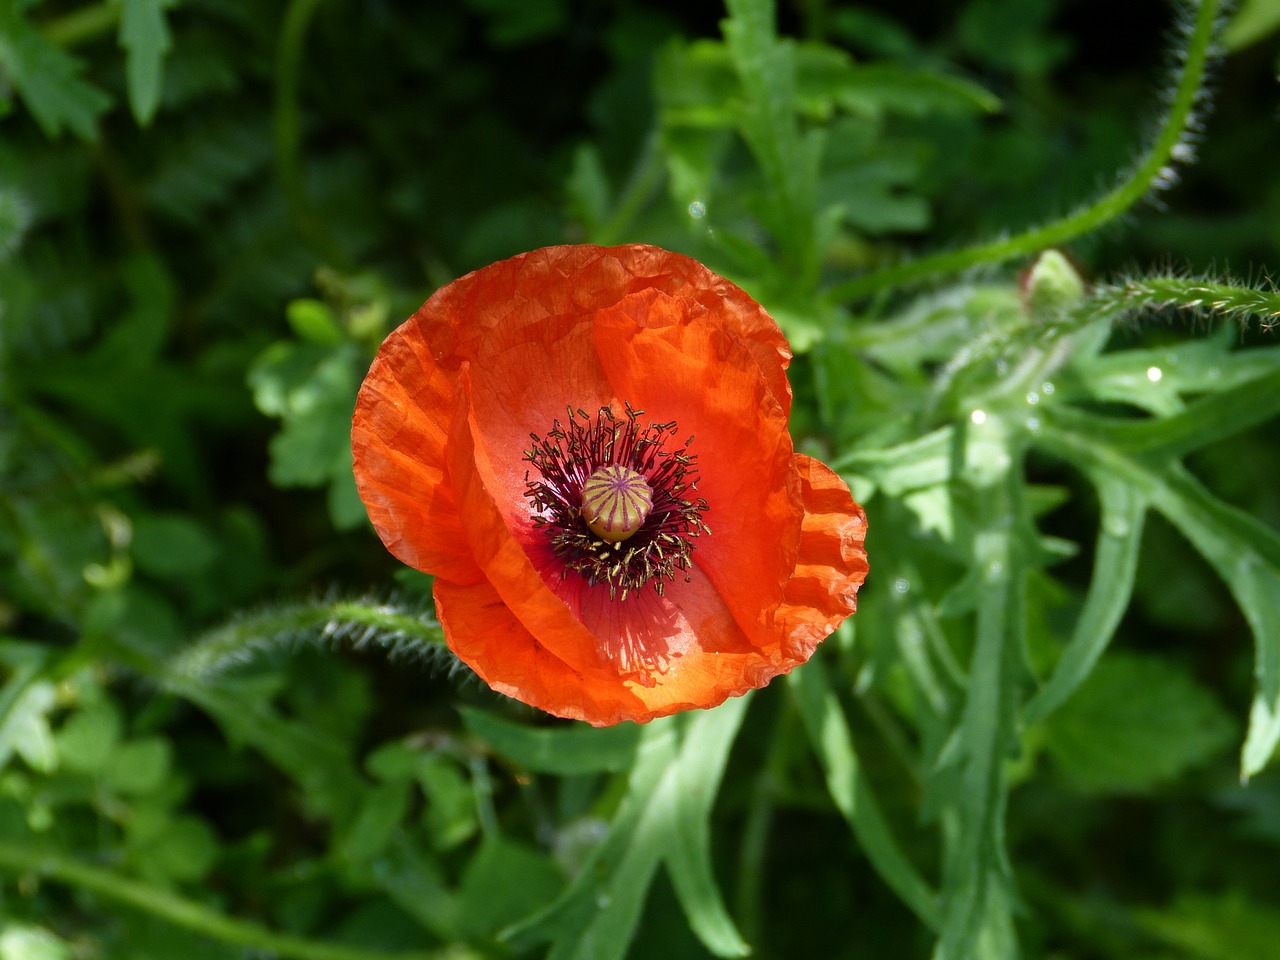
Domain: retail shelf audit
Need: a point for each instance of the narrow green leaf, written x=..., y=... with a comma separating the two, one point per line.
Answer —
x=1253, y=21
x=144, y=35
x=1115, y=564
x=690, y=792
x=1208, y=420
x=670, y=792
x=594, y=918
x=876, y=88
x=1244, y=552
x=976, y=902
x=1229, y=926
x=924, y=462
x=564, y=750
x=832, y=744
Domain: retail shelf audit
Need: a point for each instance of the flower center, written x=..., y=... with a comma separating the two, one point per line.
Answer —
x=614, y=501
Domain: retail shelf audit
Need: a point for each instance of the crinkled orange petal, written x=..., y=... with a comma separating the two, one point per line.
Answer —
x=500, y=555
x=691, y=653
x=832, y=564
x=481, y=629
x=679, y=365
x=485, y=311
x=398, y=437
x=439, y=435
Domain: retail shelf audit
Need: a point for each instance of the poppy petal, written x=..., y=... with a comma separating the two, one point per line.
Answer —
x=398, y=436
x=481, y=629
x=440, y=437
x=832, y=563
x=679, y=365
x=500, y=554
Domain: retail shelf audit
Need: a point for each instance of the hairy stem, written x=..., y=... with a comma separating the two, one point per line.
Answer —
x=1154, y=171
x=357, y=621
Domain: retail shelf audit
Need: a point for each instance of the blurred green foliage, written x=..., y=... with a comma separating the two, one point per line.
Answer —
x=228, y=723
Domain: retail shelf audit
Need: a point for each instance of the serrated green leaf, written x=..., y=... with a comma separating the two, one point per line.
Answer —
x=47, y=78
x=144, y=35
x=1115, y=565
x=1136, y=722
x=767, y=120
x=312, y=389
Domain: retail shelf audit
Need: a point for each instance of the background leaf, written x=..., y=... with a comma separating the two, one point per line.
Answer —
x=1136, y=722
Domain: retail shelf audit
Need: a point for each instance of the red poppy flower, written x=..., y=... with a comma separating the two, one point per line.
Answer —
x=587, y=447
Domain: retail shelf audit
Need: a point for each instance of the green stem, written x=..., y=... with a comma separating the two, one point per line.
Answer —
x=977, y=912
x=645, y=178
x=1181, y=293
x=288, y=127
x=192, y=915
x=391, y=626
x=82, y=25
x=1153, y=169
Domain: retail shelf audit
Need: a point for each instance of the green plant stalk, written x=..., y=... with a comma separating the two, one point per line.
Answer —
x=1153, y=168
x=82, y=25
x=288, y=127
x=645, y=178
x=233, y=640
x=1183, y=293
x=195, y=916
x=977, y=904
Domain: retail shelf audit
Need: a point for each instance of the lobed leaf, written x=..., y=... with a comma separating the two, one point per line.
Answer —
x=144, y=35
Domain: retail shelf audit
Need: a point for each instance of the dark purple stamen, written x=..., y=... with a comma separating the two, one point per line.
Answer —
x=566, y=458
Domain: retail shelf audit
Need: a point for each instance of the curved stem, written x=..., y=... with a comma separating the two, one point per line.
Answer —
x=358, y=621
x=192, y=915
x=1154, y=170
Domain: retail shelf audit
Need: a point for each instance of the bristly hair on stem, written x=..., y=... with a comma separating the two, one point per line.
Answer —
x=1172, y=145
x=403, y=628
